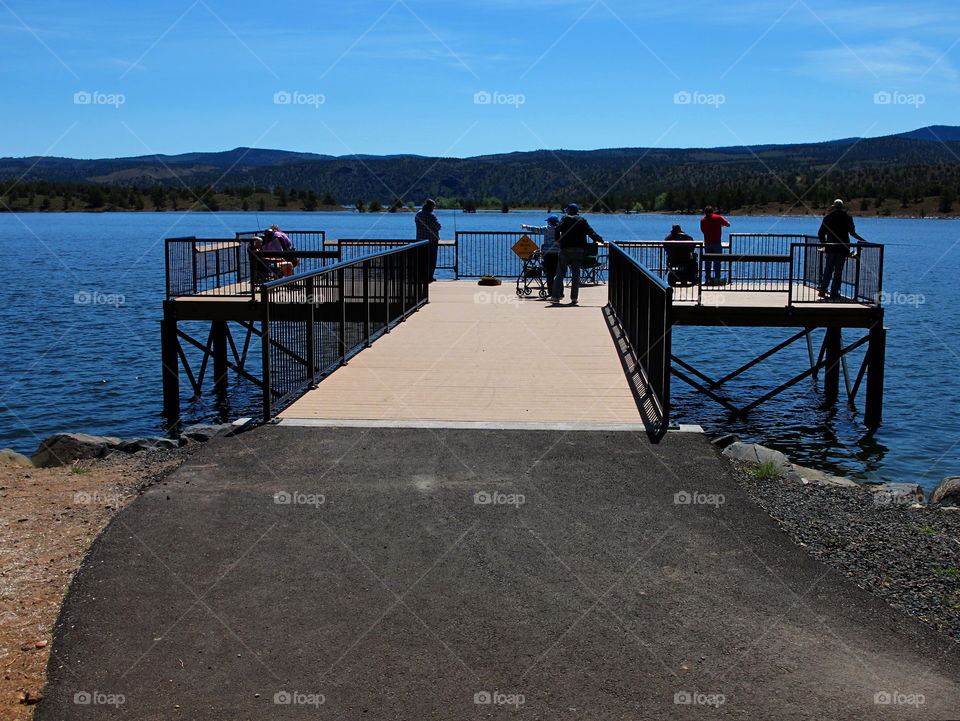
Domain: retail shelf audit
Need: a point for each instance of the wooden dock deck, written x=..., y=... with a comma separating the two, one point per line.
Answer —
x=481, y=354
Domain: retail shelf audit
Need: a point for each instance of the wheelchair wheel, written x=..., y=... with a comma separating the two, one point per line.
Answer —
x=543, y=293
x=519, y=291
x=528, y=290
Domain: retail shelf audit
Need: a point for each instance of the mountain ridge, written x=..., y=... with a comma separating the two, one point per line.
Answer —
x=916, y=162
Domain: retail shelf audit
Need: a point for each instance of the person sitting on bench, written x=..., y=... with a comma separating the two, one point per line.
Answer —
x=275, y=241
x=681, y=258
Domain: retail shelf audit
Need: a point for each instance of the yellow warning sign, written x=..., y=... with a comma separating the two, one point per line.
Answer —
x=524, y=247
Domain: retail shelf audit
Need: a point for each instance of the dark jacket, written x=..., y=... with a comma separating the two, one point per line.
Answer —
x=428, y=227
x=678, y=236
x=835, y=231
x=573, y=230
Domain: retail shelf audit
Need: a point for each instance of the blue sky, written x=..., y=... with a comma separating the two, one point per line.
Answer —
x=114, y=78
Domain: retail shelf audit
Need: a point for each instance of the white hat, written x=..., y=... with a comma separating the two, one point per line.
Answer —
x=838, y=203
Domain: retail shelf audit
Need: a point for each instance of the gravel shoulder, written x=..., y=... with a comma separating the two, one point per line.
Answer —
x=49, y=517
x=908, y=556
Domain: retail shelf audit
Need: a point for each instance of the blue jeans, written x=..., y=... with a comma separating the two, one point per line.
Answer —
x=432, y=258
x=832, y=271
x=715, y=271
x=571, y=258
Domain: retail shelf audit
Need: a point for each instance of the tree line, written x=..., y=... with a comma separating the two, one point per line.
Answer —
x=678, y=189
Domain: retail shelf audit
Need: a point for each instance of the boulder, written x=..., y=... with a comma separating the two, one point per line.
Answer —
x=896, y=494
x=204, y=432
x=724, y=440
x=947, y=492
x=754, y=453
x=64, y=448
x=12, y=458
x=819, y=478
x=153, y=443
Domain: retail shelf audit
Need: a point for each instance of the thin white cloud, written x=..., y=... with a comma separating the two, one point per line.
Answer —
x=895, y=61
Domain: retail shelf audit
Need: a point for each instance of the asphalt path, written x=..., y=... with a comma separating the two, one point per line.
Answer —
x=356, y=573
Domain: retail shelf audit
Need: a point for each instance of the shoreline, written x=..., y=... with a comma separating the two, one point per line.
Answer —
x=888, y=538
x=740, y=212
x=51, y=517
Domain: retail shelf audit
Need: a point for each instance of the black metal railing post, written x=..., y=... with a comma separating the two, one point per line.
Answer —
x=366, y=303
x=312, y=300
x=342, y=330
x=265, y=354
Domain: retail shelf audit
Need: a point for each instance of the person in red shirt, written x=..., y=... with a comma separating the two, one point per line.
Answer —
x=712, y=225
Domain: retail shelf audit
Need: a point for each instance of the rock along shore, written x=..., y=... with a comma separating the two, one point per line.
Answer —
x=887, y=538
x=62, y=449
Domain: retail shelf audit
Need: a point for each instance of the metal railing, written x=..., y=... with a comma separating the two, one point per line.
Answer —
x=230, y=267
x=861, y=280
x=447, y=258
x=641, y=303
x=314, y=322
x=660, y=258
x=206, y=266
x=756, y=262
x=489, y=253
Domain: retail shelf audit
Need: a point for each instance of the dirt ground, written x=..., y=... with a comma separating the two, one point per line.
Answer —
x=48, y=519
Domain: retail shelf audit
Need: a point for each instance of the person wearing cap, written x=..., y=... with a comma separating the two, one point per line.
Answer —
x=549, y=250
x=428, y=228
x=572, y=233
x=712, y=225
x=681, y=261
x=676, y=233
x=834, y=235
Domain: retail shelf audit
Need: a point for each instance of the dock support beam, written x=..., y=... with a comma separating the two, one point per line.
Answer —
x=219, y=333
x=831, y=373
x=876, y=353
x=171, y=364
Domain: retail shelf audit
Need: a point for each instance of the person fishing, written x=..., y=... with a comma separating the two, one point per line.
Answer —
x=572, y=233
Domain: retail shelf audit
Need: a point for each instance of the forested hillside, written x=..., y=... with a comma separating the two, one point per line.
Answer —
x=904, y=171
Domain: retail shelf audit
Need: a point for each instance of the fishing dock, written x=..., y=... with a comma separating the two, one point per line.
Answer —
x=357, y=334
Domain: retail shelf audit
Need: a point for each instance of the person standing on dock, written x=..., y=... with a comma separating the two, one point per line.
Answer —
x=549, y=250
x=428, y=228
x=712, y=225
x=572, y=235
x=834, y=235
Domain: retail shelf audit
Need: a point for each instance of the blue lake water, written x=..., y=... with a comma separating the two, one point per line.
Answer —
x=74, y=357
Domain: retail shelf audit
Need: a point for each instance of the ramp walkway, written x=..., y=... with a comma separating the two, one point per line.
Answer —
x=481, y=354
x=403, y=573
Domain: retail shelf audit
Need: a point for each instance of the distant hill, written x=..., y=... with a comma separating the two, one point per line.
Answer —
x=937, y=133
x=919, y=163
